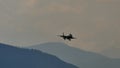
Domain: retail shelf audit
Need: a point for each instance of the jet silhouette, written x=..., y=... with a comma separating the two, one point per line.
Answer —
x=68, y=37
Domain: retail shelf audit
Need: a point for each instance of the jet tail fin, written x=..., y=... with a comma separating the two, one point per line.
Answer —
x=63, y=34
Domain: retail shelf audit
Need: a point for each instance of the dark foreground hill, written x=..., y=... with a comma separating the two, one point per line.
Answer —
x=14, y=57
x=80, y=58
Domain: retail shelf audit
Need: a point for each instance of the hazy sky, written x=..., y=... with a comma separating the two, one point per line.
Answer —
x=95, y=23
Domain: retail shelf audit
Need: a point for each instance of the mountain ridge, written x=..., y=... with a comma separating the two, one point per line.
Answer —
x=76, y=56
x=15, y=57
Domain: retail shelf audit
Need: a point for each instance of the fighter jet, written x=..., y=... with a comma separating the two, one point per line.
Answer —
x=68, y=37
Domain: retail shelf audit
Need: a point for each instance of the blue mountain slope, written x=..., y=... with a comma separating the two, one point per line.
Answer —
x=78, y=57
x=14, y=57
